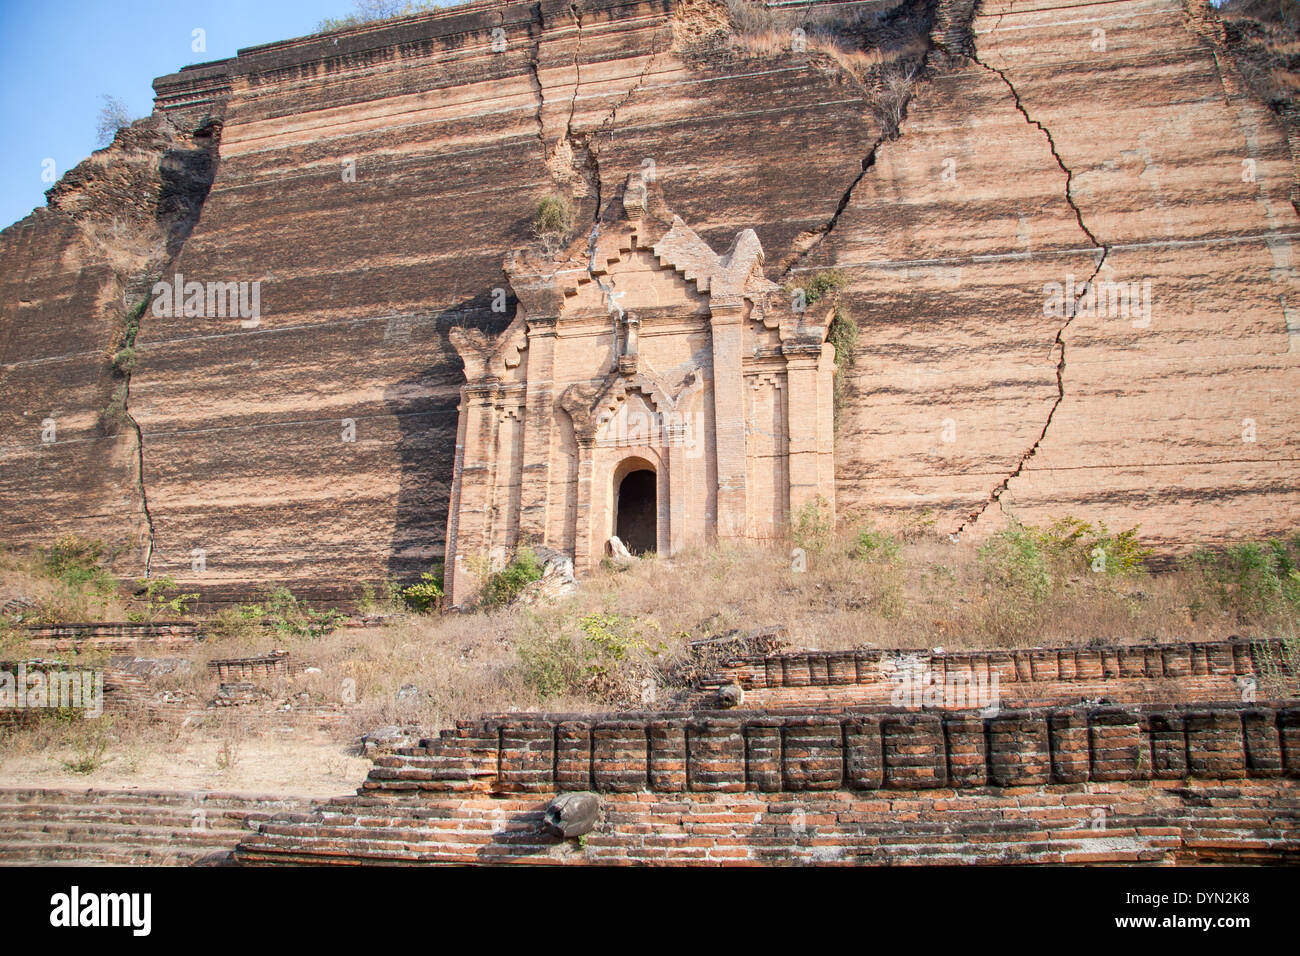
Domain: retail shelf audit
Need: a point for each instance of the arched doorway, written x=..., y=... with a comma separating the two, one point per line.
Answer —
x=637, y=511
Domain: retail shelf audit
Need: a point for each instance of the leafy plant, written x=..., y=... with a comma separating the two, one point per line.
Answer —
x=281, y=612
x=602, y=658
x=162, y=599
x=504, y=586
x=392, y=598
x=1253, y=580
x=1081, y=545
x=428, y=594
x=873, y=545
x=813, y=526
x=1017, y=581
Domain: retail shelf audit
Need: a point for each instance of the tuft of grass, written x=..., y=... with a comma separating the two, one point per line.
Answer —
x=553, y=222
x=89, y=743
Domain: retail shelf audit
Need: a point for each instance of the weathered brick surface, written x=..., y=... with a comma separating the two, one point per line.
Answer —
x=133, y=827
x=733, y=752
x=1124, y=822
x=453, y=142
x=1210, y=783
x=1223, y=670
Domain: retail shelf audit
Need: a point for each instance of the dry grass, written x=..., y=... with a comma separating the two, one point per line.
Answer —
x=66, y=598
x=594, y=649
x=858, y=586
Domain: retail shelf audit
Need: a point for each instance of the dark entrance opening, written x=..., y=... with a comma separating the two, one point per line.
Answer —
x=638, y=509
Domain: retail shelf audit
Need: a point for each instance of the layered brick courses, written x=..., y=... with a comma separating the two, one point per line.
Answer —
x=1227, y=670
x=253, y=668
x=894, y=750
x=1159, y=822
x=1107, y=784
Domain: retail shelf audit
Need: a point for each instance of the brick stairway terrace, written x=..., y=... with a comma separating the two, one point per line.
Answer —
x=44, y=827
x=1162, y=784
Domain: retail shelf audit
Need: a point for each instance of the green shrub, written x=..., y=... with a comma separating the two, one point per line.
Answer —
x=281, y=612
x=392, y=598
x=813, y=526
x=1253, y=580
x=600, y=656
x=842, y=331
x=505, y=585
x=240, y=621
x=819, y=284
x=1017, y=581
x=873, y=545
x=124, y=360
x=428, y=594
x=843, y=334
x=551, y=663
x=1080, y=545
x=77, y=563
x=158, y=603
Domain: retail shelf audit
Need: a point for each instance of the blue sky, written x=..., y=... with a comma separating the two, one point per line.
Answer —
x=57, y=59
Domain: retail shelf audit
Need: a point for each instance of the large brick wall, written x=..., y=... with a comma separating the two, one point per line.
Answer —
x=1060, y=154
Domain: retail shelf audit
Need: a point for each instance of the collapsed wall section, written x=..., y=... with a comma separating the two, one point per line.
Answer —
x=75, y=275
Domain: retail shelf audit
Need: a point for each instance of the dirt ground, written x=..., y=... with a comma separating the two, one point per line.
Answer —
x=307, y=765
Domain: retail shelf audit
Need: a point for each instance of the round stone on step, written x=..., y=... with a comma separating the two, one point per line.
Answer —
x=571, y=814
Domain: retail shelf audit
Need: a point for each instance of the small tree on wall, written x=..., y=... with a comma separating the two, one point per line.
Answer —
x=552, y=222
x=113, y=115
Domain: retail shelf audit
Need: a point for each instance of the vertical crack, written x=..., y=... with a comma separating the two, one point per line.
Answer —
x=576, y=10
x=591, y=142
x=1071, y=309
x=534, y=71
x=817, y=236
x=144, y=494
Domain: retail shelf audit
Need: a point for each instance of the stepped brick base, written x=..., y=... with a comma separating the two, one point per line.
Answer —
x=1082, y=785
x=1161, y=822
x=129, y=827
x=1174, y=672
